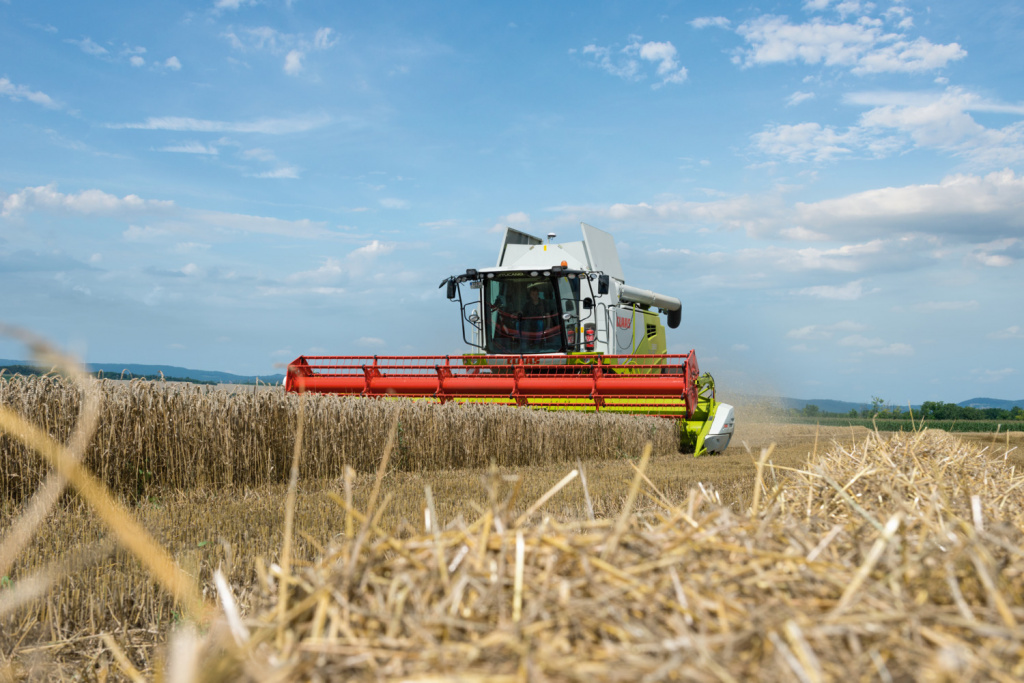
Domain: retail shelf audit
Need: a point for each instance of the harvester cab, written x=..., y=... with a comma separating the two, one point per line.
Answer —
x=551, y=326
x=569, y=304
x=560, y=298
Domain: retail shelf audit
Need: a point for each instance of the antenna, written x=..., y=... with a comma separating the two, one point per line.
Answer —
x=551, y=236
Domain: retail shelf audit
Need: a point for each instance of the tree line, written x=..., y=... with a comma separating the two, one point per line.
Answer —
x=929, y=410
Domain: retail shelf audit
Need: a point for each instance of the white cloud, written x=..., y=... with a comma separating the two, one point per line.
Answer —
x=371, y=341
x=999, y=253
x=231, y=4
x=259, y=153
x=897, y=349
x=191, y=148
x=517, y=219
x=740, y=347
x=136, y=60
x=337, y=272
x=172, y=63
x=1011, y=332
x=280, y=172
x=89, y=202
x=798, y=97
x=622, y=67
x=324, y=39
x=994, y=375
x=88, y=46
x=876, y=346
x=896, y=121
x=705, y=22
x=393, y=203
x=824, y=331
x=627, y=62
x=374, y=248
x=664, y=54
x=969, y=208
x=943, y=122
x=805, y=142
x=21, y=92
x=298, y=124
x=848, y=292
x=293, y=63
x=235, y=222
x=863, y=46
x=147, y=234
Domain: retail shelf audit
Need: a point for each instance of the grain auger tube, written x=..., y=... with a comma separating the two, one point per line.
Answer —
x=551, y=326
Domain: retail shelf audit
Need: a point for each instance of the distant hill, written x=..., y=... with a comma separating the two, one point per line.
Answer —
x=826, y=405
x=991, y=403
x=115, y=370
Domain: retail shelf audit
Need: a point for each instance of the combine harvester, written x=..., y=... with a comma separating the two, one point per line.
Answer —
x=552, y=326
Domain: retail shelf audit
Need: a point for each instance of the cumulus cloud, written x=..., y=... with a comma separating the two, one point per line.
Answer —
x=944, y=122
x=993, y=375
x=806, y=142
x=324, y=39
x=863, y=46
x=266, y=126
x=848, y=292
x=798, y=97
x=135, y=233
x=963, y=207
x=1011, y=332
x=243, y=223
x=876, y=346
x=999, y=253
x=293, y=62
x=87, y=202
x=294, y=47
x=517, y=219
x=818, y=332
x=897, y=121
x=191, y=147
x=974, y=208
x=338, y=272
x=627, y=63
x=172, y=63
x=705, y=22
x=18, y=93
x=664, y=55
x=221, y=5
x=290, y=172
x=88, y=46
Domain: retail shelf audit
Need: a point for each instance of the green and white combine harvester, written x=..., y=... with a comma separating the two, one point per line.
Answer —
x=554, y=327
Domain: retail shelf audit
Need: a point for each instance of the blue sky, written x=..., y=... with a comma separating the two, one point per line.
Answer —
x=834, y=189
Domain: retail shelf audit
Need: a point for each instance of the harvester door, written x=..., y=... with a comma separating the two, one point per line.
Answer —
x=569, y=301
x=624, y=319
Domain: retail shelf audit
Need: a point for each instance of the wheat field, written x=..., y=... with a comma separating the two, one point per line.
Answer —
x=556, y=548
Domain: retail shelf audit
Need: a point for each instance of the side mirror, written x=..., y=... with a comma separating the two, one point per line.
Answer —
x=569, y=305
x=603, y=284
x=588, y=303
x=453, y=289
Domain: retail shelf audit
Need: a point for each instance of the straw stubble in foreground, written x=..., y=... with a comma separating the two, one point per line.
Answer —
x=898, y=559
